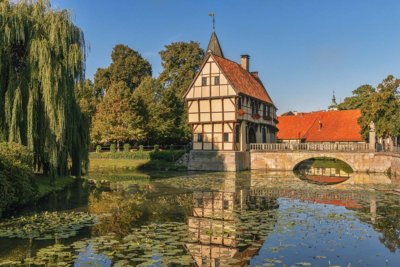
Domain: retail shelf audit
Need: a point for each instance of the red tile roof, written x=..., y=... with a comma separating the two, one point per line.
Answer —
x=321, y=126
x=242, y=81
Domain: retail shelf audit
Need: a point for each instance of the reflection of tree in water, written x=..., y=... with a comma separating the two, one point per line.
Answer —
x=126, y=209
x=389, y=226
x=387, y=220
x=121, y=212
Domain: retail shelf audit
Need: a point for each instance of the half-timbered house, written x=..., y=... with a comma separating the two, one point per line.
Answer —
x=228, y=106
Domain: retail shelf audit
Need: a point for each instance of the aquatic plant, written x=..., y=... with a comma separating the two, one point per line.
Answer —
x=47, y=225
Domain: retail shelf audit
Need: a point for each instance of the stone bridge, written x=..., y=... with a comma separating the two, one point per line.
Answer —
x=359, y=161
x=284, y=157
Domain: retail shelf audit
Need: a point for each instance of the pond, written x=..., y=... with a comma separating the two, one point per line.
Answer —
x=210, y=219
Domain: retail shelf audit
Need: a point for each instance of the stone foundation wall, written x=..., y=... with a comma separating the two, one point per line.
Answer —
x=395, y=167
x=200, y=160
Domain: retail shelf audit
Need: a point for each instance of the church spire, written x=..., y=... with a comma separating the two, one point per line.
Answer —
x=214, y=46
x=334, y=105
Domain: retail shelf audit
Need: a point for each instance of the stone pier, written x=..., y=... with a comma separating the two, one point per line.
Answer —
x=200, y=160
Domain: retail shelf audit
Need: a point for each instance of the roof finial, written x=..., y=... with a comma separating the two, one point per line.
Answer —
x=213, y=19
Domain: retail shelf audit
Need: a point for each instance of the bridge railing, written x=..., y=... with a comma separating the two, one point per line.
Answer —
x=388, y=148
x=310, y=147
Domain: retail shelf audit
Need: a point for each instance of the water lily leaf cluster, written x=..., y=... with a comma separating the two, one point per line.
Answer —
x=47, y=225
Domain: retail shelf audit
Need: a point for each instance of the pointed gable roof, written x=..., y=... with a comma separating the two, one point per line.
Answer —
x=242, y=81
x=214, y=45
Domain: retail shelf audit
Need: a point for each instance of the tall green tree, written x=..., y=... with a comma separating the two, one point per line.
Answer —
x=87, y=97
x=119, y=116
x=359, y=97
x=42, y=55
x=127, y=66
x=380, y=105
x=150, y=91
x=181, y=62
x=383, y=108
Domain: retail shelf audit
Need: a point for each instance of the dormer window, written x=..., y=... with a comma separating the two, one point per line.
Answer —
x=216, y=80
x=204, y=81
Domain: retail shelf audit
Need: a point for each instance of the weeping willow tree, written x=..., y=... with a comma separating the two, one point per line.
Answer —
x=42, y=57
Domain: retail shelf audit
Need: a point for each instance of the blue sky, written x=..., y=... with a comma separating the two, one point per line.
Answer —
x=303, y=49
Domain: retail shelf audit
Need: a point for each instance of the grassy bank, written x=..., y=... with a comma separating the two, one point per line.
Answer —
x=134, y=165
x=45, y=186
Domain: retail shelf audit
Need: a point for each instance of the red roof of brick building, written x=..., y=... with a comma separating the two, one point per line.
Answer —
x=242, y=81
x=321, y=126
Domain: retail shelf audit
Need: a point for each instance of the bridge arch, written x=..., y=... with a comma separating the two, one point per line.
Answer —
x=307, y=156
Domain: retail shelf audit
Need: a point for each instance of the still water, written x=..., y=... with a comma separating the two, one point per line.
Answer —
x=211, y=219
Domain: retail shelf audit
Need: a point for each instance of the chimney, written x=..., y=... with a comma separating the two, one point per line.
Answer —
x=245, y=62
x=255, y=74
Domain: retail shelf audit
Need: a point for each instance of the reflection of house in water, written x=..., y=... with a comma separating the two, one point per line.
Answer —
x=212, y=228
x=215, y=226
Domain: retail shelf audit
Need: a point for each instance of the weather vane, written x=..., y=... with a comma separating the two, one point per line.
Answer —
x=213, y=19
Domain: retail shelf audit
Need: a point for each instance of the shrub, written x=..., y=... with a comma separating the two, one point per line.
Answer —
x=156, y=148
x=113, y=148
x=17, y=185
x=98, y=148
x=160, y=165
x=142, y=155
x=167, y=155
x=127, y=147
x=141, y=148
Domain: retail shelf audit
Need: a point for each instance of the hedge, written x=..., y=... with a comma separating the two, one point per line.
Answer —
x=166, y=155
x=17, y=186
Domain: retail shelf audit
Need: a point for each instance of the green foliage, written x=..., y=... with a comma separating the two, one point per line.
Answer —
x=181, y=62
x=141, y=148
x=358, y=99
x=113, y=148
x=127, y=66
x=167, y=155
x=324, y=162
x=113, y=155
x=42, y=56
x=57, y=225
x=156, y=148
x=98, y=148
x=127, y=147
x=150, y=91
x=87, y=97
x=380, y=105
x=137, y=108
x=17, y=185
x=120, y=116
x=160, y=165
x=46, y=186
